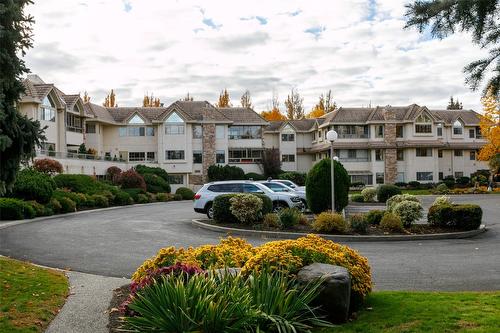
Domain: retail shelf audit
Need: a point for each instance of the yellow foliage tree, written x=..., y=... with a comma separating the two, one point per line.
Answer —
x=316, y=112
x=110, y=100
x=490, y=127
x=150, y=101
x=224, y=100
x=274, y=114
x=86, y=98
x=324, y=105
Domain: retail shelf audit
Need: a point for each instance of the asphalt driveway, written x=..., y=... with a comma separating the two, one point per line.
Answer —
x=115, y=242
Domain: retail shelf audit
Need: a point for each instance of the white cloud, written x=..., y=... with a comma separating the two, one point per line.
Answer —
x=358, y=49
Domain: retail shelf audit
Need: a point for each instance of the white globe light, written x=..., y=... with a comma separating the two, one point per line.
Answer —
x=336, y=158
x=331, y=135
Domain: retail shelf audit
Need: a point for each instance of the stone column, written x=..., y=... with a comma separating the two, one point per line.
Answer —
x=208, y=149
x=390, y=154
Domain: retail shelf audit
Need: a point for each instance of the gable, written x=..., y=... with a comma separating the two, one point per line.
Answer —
x=136, y=120
x=174, y=118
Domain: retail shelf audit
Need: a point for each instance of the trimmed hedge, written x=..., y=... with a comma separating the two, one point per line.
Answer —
x=156, y=184
x=15, y=209
x=357, y=198
x=298, y=178
x=83, y=184
x=143, y=170
x=384, y=192
x=318, y=187
x=255, y=176
x=186, y=193
x=226, y=172
x=463, y=217
x=33, y=185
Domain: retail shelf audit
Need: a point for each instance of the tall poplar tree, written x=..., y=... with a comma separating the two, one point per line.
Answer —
x=18, y=135
x=246, y=100
x=224, y=100
x=294, y=105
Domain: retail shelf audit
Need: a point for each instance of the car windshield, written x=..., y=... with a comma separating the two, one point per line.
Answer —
x=287, y=183
x=277, y=187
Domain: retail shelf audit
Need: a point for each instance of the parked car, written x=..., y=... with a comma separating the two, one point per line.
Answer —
x=289, y=183
x=204, y=198
x=277, y=186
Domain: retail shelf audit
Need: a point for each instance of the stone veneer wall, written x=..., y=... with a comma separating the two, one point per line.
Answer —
x=390, y=154
x=208, y=149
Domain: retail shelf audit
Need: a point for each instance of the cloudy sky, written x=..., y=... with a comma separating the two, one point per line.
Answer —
x=356, y=48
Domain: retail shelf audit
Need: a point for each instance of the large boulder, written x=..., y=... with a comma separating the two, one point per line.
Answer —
x=335, y=292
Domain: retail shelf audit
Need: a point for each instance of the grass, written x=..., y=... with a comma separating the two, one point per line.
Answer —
x=30, y=296
x=427, y=312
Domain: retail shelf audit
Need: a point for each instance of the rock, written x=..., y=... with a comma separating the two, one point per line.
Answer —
x=335, y=292
x=228, y=270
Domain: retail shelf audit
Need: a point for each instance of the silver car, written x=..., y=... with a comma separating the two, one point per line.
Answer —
x=278, y=186
x=289, y=183
x=204, y=198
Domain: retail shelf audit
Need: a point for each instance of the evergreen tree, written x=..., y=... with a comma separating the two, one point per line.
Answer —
x=246, y=101
x=18, y=135
x=224, y=100
x=294, y=105
x=188, y=98
x=480, y=17
x=454, y=105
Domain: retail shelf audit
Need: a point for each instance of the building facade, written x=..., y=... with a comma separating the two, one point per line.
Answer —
x=376, y=145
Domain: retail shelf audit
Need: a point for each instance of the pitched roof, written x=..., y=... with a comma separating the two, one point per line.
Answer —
x=243, y=116
x=99, y=112
x=469, y=117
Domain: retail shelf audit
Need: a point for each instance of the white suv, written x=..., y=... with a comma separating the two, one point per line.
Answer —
x=204, y=198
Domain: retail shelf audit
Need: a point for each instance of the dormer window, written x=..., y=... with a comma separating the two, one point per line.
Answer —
x=174, y=125
x=423, y=124
x=48, y=109
x=136, y=120
x=458, y=128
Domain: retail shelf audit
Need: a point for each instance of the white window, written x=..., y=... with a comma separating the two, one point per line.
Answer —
x=197, y=156
x=401, y=177
x=287, y=137
x=174, y=125
x=439, y=129
x=48, y=110
x=379, y=154
x=424, y=152
x=175, y=179
x=287, y=158
x=458, y=128
x=219, y=132
x=424, y=176
x=136, y=156
x=220, y=156
x=89, y=128
x=197, y=132
x=136, y=120
x=174, y=154
x=423, y=124
x=379, y=131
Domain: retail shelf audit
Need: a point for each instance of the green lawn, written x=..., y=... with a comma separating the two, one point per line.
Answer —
x=427, y=312
x=30, y=296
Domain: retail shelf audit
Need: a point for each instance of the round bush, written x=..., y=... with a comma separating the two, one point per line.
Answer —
x=54, y=205
x=131, y=179
x=15, y=209
x=122, y=198
x=357, y=198
x=267, y=204
x=247, y=208
x=272, y=220
x=100, y=200
x=67, y=205
x=384, y=192
x=442, y=200
x=329, y=222
x=38, y=208
x=359, y=223
x=408, y=211
x=163, y=197
x=33, y=185
x=369, y=194
x=391, y=222
x=222, y=209
x=156, y=184
x=441, y=189
x=185, y=193
x=143, y=170
x=289, y=217
x=449, y=181
x=142, y=199
x=177, y=197
x=47, y=166
x=298, y=178
x=319, y=190
x=113, y=173
x=394, y=200
x=373, y=217
x=226, y=172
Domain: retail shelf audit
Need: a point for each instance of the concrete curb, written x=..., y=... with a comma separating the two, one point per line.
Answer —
x=338, y=238
x=6, y=224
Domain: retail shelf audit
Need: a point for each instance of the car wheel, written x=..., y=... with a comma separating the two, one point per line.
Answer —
x=278, y=206
x=210, y=211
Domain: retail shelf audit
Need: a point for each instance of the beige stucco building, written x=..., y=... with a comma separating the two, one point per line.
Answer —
x=376, y=145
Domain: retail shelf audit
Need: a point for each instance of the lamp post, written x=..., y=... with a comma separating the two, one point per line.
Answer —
x=331, y=136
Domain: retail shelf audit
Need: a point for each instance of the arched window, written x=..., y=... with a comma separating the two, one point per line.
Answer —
x=174, y=125
x=458, y=128
x=48, y=109
x=423, y=124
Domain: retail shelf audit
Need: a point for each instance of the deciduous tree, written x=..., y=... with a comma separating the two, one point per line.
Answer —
x=246, y=101
x=490, y=126
x=480, y=17
x=274, y=114
x=18, y=135
x=294, y=105
x=271, y=162
x=188, y=98
x=324, y=105
x=224, y=100
x=150, y=101
x=110, y=100
x=86, y=98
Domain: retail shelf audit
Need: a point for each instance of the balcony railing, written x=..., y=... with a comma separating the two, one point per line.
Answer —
x=353, y=136
x=74, y=129
x=58, y=154
x=355, y=159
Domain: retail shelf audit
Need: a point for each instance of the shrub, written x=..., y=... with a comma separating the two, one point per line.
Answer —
x=89, y=201
x=401, y=184
x=47, y=166
x=142, y=199
x=247, y=208
x=329, y=222
x=289, y=217
x=131, y=179
x=414, y=184
x=463, y=217
x=226, y=172
x=100, y=200
x=357, y=198
x=134, y=193
x=254, y=176
x=374, y=217
x=82, y=184
x=15, y=209
x=449, y=181
x=359, y=223
x=122, y=198
x=272, y=220
x=37, y=207
x=156, y=184
x=369, y=194
x=408, y=211
x=33, y=185
x=113, y=173
x=267, y=204
x=394, y=200
x=441, y=189
x=303, y=220
x=384, y=192
x=186, y=193
x=163, y=197
x=318, y=187
x=391, y=222
x=54, y=205
x=67, y=205
x=463, y=181
x=177, y=197
x=358, y=184
x=442, y=200
x=222, y=209
x=298, y=178
x=143, y=170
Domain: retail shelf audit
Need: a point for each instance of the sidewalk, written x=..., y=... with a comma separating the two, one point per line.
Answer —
x=85, y=310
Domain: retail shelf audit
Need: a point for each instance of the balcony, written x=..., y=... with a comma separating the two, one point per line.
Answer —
x=353, y=136
x=74, y=129
x=355, y=159
x=63, y=155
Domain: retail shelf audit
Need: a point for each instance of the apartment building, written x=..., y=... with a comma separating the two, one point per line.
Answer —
x=376, y=145
x=384, y=144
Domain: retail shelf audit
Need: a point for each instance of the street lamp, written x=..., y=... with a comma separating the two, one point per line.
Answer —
x=331, y=136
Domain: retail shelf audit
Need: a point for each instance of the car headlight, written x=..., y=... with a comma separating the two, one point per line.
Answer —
x=295, y=199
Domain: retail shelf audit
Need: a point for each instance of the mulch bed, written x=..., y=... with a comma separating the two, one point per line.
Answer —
x=119, y=296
